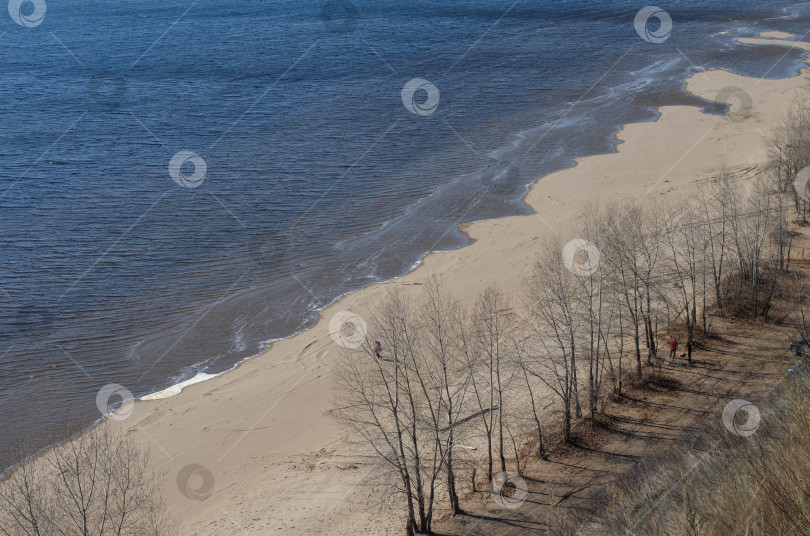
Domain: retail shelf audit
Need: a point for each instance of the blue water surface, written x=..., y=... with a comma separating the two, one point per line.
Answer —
x=318, y=179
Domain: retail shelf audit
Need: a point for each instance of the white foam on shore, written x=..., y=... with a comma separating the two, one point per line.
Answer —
x=175, y=389
x=776, y=35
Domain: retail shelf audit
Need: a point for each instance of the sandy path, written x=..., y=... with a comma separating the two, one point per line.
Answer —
x=261, y=431
x=646, y=424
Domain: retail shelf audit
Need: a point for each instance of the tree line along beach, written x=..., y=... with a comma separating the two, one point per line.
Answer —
x=258, y=450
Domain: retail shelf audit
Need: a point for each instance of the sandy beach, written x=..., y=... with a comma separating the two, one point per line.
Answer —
x=279, y=463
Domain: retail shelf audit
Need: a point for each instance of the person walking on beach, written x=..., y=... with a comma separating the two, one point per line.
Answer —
x=689, y=351
x=673, y=348
x=377, y=349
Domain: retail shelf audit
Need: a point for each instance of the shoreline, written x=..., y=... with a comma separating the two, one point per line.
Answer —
x=613, y=142
x=257, y=389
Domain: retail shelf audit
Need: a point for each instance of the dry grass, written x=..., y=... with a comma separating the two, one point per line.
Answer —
x=719, y=483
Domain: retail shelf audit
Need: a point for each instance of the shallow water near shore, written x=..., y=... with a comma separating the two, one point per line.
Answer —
x=319, y=180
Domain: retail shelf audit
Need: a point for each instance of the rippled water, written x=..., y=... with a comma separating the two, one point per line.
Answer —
x=319, y=180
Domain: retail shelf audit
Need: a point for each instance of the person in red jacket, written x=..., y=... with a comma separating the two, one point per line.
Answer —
x=673, y=348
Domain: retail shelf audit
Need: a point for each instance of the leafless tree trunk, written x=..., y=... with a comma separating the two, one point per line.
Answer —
x=553, y=306
x=395, y=407
x=788, y=148
x=445, y=365
x=715, y=206
x=683, y=233
x=527, y=371
x=481, y=381
x=592, y=289
x=623, y=254
x=494, y=324
x=96, y=483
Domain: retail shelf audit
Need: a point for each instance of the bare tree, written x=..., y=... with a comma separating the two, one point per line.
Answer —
x=750, y=221
x=444, y=370
x=529, y=374
x=715, y=206
x=631, y=258
x=493, y=325
x=376, y=400
x=554, y=320
x=24, y=505
x=97, y=483
x=683, y=232
x=647, y=231
x=596, y=323
x=759, y=201
x=799, y=318
x=781, y=233
x=405, y=404
x=788, y=147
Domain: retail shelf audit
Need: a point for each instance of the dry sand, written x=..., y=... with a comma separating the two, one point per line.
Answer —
x=777, y=35
x=279, y=463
